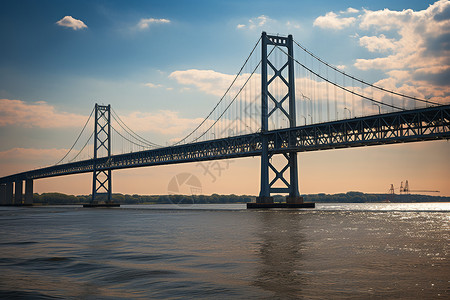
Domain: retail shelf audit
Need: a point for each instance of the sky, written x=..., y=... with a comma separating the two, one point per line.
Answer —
x=148, y=59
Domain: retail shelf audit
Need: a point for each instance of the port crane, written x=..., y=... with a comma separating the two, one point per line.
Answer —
x=404, y=188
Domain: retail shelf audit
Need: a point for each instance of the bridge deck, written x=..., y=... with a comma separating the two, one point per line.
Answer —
x=432, y=123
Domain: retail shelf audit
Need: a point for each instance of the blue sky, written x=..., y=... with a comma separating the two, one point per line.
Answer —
x=125, y=52
x=42, y=61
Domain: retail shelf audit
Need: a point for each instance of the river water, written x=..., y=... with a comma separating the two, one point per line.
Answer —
x=351, y=251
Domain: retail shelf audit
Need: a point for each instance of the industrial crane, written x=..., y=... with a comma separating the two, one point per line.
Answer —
x=405, y=189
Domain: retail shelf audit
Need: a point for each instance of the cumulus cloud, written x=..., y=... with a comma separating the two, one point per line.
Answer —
x=145, y=23
x=415, y=44
x=377, y=43
x=36, y=114
x=208, y=81
x=70, y=22
x=333, y=21
x=419, y=45
x=422, y=37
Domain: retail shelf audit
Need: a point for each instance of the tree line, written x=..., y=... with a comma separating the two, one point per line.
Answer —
x=350, y=197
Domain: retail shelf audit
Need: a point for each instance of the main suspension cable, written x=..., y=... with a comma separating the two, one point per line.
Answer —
x=221, y=99
x=337, y=85
x=362, y=81
x=134, y=143
x=231, y=102
x=71, y=148
x=79, y=152
x=131, y=132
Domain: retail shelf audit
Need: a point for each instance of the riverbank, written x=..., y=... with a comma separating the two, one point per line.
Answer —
x=349, y=197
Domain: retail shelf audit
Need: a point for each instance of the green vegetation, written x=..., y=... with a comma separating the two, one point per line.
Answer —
x=350, y=197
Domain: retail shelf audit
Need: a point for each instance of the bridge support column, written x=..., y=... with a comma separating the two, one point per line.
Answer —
x=18, y=192
x=284, y=106
x=9, y=193
x=3, y=194
x=28, y=192
x=264, y=194
x=102, y=177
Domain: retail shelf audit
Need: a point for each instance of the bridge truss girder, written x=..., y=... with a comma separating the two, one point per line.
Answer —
x=408, y=126
x=426, y=124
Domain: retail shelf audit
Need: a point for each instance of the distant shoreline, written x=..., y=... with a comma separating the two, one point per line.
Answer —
x=349, y=197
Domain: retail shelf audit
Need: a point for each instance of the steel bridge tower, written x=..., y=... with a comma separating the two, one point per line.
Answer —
x=279, y=106
x=102, y=179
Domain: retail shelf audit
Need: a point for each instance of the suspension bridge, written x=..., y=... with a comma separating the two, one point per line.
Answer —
x=284, y=100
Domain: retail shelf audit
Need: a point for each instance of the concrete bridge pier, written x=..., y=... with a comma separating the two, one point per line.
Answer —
x=8, y=194
x=294, y=199
x=11, y=193
x=264, y=199
x=3, y=194
x=18, y=192
x=28, y=192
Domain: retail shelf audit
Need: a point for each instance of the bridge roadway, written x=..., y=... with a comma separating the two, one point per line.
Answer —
x=432, y=123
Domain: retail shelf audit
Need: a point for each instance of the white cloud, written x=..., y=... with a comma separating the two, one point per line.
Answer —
x=412, y=43
x=377, y=43
x=164, y=124
x=333, y=21
x=45, y=116
x=418, y=47
x=70, y=22
x=36, y=114
x=349, y=10
x=208, y=81
x=257, y=23
x=153, y=85
x=145, y=23
x=266, y=23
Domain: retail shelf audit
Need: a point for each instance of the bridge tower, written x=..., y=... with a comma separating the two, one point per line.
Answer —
x=102, y=179
x=279, y=106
